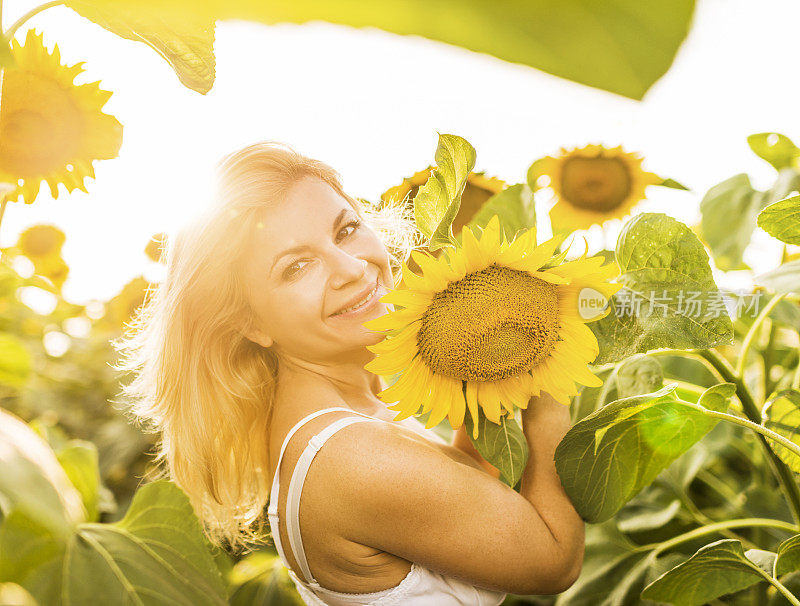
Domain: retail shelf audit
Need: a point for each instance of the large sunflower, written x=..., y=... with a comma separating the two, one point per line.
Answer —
x=51, y=129
x=594, y=184
x=478, y=189
x=486, y=325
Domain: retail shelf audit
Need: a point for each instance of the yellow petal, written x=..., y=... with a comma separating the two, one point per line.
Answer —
x=472, y=404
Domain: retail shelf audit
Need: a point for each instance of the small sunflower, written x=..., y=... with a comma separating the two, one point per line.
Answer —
x=594, y=184
x=42, y=241
x=155, y=247
x=486, y=325
x=51, y=129
x=478, y=189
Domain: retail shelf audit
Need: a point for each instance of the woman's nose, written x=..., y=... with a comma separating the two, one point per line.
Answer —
x=346, y=269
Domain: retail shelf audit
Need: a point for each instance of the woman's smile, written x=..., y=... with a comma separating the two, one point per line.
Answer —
x=362, y=302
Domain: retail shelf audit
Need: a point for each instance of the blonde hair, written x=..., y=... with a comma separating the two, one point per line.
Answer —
x=198, y=382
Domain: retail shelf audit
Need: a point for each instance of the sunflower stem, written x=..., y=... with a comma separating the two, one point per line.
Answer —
x=751, y=334
x=781, y=470
x=9, y=33
x=788, y=444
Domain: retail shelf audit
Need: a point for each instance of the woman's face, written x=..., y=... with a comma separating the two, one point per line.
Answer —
x=315, y=274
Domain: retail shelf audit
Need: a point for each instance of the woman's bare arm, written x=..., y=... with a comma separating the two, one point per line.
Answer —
x=395, y=493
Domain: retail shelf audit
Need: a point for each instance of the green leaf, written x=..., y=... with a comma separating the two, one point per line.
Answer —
x=261, y=578
x=648, y=516
x=622, y=46
x=662, y=258
x=79, y=460
x=777, y=149
x=185, y=40
x=781, y=414
x=783, y=279
x=715, y=570
x=788, y=559
x=33, y=481
x=156, y=554
x=15, y=361
x=503, y=445
x=513, y=205
x=673, y=184
x=782, y=220
x=639, y=374
x=729, y=211
x=33, y=556
x=606, y=458
x=437, y=202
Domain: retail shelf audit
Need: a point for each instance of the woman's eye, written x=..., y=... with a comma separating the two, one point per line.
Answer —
x=352, y=226
x=292, y=269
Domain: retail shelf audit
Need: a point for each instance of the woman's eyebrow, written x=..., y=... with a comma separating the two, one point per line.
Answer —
x=301, y=248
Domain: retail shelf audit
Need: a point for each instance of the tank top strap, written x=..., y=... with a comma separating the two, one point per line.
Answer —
x=296, y=490
x=272, y=508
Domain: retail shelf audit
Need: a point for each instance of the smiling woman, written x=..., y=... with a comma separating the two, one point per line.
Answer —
x=249, y=357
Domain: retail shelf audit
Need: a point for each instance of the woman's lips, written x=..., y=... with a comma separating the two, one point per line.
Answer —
x=367, y=302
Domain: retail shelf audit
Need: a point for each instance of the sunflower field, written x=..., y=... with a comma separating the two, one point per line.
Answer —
x=684, y=454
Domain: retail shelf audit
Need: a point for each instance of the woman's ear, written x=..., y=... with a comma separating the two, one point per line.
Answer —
x=257, y=336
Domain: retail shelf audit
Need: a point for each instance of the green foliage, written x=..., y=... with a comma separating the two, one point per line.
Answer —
x=15, y=361
x=513, y=205
x=437, y=202
x=503, y=445
x=261, y=579
x=782, y=220
x=781, y=414
x=610, y=455
x=777, y=149
x=662, y=258
x=783, y=279
x=185, y=42
x=717, y=569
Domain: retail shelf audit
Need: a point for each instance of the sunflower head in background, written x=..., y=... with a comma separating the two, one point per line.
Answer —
x=122, y=308
x=41, y=242
x=489, y=324
x=50, y=128
x=594, y=184
x=56, y=270
x=478, y=189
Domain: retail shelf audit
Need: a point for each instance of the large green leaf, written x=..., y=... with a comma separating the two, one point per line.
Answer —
x=437, y=202
x=609, y=456
x=32, y=480
x=513, y=205
x=775, y=148
x=503, y=445
x=781, y=414
x=622, y=46
x=782, y=220
x=155, y=555
x=715, y=570
x=185, y=41
x=660, y=257
x=15, y=361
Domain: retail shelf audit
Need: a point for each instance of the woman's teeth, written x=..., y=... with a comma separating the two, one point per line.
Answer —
x=360, y=304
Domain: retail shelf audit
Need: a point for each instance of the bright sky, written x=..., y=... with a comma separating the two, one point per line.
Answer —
x=369, y=103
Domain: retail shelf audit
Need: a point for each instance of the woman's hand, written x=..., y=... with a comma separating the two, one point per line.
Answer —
x=464, y=444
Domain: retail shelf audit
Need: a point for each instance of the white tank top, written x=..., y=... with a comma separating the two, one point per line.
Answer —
x=420, y=587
